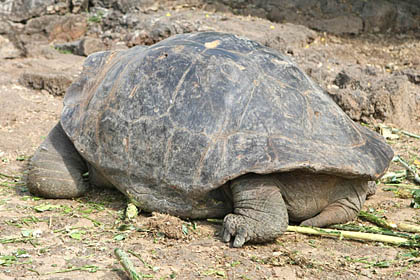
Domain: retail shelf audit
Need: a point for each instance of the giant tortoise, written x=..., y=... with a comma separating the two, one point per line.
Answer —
x=211, y=125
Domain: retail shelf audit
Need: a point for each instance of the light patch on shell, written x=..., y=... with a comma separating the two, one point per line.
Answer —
x=133, y=91
x=280, y=62
x=110, y=57
x=178, y=49
x=212, y=44
x=240, y=67
x=125, y=144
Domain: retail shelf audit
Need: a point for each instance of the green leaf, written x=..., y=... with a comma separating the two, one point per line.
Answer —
x=20, y=158
x=184, y=229
x=416, y=199
x=21, y=253
x=7, y=260
x=234, y=263
x=382, y=264
x=211, y=272
x=77, y=234
x=45, y=207
x=26, y=232
x=120, y=237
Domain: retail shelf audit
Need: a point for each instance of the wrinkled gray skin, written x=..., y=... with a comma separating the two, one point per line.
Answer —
x=211, y=125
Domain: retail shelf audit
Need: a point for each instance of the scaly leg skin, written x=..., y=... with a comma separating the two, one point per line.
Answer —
x=371, y=190
x=343, y=210
x=259, y=214
x=56, y=169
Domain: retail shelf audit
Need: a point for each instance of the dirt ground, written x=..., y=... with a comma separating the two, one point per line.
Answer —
x=75, y=239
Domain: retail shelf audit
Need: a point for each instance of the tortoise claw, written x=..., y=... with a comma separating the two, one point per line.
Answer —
x=236, y=226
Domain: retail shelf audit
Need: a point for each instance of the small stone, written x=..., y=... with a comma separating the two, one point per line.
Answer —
x=83, y=47
x=90, y=45
x=284, y=273
x=37, y=233
x=7, y=49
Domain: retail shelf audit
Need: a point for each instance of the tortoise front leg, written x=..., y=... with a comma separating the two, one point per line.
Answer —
x=260, y=213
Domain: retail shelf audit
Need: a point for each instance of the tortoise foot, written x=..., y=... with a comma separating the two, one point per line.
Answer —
x=260, y=214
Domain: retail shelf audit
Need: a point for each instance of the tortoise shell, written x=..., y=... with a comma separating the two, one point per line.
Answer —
x=197, y=110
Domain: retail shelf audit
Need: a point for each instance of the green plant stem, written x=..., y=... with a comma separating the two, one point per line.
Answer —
x=406, y=186
x=396, y=130
x=127, y=264
x=409, y=168
x=388, y=225
x=9, y=176
x=376, y=220
x=354, y=235
x=16, y=240
x=374, y=229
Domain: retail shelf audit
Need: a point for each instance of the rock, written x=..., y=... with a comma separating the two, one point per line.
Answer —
x=329, y=15
x=368, y=97
x=68, y=28
x=123, y=5
x=378, y=15
x=83, y=47
x=42, y=25
x=7, y=49
x=56, y=28
x=405, y=19
x=349, y=24
x=149, y=29
x=412, y=75
x=90, y=45
x=69, y=47
x=78, y=6
x=54, y=83
x=46, y=51
x=284, y=273
x=23, y=10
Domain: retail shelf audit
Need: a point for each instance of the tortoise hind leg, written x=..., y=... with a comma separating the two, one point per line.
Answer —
x=343, y=209
x=56, y=169
x=260, y=213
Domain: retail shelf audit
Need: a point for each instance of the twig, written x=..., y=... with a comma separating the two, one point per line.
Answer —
x=408, y=228
x=395, y=130
x=127, y=264
x=409, y=168
x=9, y=176
x=16, y=240
x=33, y=270
x=376, y=220
x=405, y=186
x=215, y=221
x=354, y=235
x=89, y=268
x=394, y=175
x=141, y=259
x=388, y=236
x=388, y=225
x=377, y=230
